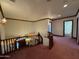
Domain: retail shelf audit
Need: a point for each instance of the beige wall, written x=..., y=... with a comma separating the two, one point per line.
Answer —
x=41, y=26
x=2, y=32
x=14, y=28
x=57, y=26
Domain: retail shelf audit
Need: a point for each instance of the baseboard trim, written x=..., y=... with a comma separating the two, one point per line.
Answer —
x=58, y=35
x=63, y=36
x=74, y=37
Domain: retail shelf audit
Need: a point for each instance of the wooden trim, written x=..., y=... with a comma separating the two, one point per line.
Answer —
x=77, y=25
x=39, y=19
x=77, y=31
x=36, y=20
x=77, y=28
x=77, y=12
x=51, y=26
x=74, y=37
x=64, y=27
x=26, y=20
x=2, y=11
x=18, y=19
x=42, y=19
x=72, y=28
x=63, y=17
x=46, y=18
x=58, y=35
x=66, y=16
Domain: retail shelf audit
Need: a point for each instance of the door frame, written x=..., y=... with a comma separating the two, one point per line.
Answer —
x=51, y=26
x=77, y=30
x=64, y=27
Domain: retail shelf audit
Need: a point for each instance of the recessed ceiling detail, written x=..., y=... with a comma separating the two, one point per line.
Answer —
x=34, y=10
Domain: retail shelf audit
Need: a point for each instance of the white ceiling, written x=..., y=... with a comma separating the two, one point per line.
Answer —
x=33, y=10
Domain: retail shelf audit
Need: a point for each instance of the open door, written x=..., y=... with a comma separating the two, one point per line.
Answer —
x=68, y=28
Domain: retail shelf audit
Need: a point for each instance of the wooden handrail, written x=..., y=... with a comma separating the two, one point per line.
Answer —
x=10, y=44
x=7, y=45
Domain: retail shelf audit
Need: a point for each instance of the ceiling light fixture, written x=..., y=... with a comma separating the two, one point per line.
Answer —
x=65, y=5
x=2, y=21
x=66, y=2
x=59, y=15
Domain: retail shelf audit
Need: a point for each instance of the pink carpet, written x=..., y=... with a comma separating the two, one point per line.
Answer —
x=64, y=48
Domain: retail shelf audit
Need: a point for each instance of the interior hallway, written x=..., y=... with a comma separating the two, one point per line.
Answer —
x=64, y=48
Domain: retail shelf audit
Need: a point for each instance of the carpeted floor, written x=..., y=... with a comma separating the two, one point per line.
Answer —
x=64, y=48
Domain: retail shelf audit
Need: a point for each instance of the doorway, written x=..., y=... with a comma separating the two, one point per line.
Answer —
x=50, y=26
x=68, y=28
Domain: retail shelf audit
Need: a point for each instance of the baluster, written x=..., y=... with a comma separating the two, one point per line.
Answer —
x=2, y=47
x=13, y=41
x=12, y=44
x=8, y=45
x=5, y=45
x=15, y=44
